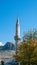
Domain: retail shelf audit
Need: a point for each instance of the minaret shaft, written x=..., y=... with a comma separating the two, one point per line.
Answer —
x=17, y=36
x=17, y=30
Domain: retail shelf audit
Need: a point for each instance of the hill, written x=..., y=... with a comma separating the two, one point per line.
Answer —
x=8, y=46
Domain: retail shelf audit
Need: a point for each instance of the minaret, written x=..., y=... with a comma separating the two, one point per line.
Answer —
x=17, y=35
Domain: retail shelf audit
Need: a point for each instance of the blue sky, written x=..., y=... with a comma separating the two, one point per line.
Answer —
x=26, y=10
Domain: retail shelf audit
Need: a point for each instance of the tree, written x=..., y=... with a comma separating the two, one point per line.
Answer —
x=30, y=35
x=27, y=52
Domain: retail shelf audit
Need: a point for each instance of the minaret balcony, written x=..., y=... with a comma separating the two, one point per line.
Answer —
x=17, y=37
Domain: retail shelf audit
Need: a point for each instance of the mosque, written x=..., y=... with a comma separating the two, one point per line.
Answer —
x=17, y=38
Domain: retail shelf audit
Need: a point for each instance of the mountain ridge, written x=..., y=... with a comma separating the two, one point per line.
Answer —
x=8, y=46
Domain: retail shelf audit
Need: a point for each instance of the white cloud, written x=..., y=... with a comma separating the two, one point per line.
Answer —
x=1, y=44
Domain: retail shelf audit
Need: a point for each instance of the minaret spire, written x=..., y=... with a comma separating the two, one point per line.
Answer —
x=17, y=28
x=17, y=22
x=17, y=35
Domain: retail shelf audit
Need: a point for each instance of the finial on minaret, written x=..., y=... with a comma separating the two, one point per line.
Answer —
x=17, y=35
x=17, y=22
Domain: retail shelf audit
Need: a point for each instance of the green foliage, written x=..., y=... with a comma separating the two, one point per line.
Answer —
x=27, y=54
x=30, y=35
